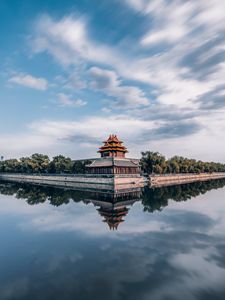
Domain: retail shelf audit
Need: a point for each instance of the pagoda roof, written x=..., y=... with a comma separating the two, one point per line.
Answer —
x=113, y=144
x=113, y=161
x=113, y=138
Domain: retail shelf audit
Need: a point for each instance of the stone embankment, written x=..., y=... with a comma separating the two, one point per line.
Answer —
x=173, y=179
x=79, y=181
x=109, y=182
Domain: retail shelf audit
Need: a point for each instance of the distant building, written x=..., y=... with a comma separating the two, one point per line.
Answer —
x=113, y=159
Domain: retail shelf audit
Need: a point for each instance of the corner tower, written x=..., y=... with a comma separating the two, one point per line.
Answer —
x=113, y=147
x=113, y=160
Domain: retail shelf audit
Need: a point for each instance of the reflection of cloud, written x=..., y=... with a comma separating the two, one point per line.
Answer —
x=200, y=271
x=17, y=288
x=153, y=256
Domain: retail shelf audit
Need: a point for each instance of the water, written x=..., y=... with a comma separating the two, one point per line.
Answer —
x=167, y=243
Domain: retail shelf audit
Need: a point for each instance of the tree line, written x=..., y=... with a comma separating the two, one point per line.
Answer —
x=40, y=163
x=154, y=162
x=150, y=162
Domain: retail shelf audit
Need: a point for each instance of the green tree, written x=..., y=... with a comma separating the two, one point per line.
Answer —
x=152, y=162
x=79, y=167
x=61, y=164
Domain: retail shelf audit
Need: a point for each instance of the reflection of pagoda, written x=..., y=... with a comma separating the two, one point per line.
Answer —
x=113, y=160
x=113, y=216
x=113, y=206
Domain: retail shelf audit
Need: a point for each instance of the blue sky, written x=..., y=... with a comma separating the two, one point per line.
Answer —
x=150, y=71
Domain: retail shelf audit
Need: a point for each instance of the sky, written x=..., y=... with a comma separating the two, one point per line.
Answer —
x=150, y=71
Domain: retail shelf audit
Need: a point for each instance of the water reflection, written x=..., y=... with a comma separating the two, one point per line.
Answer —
x=60, y=249
x=157, y=199
x=111, y=206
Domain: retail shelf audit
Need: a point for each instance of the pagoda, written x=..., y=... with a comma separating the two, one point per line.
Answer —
x=113, y=147
x=113, y=160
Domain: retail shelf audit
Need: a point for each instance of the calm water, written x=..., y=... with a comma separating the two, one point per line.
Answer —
x=167, y=243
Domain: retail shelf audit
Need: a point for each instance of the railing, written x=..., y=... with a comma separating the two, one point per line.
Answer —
x=56, y=175
x=185, y=174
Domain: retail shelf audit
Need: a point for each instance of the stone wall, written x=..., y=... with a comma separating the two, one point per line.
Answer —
x=84, y=181
x=110, y=181
x=172, y=179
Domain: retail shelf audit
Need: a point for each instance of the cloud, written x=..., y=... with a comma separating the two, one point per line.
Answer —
x=108, y=82
x=29, y=81
x=175, y=129
x=191, y=39
x=65, y=100
x=68, y=41
x=171, y=22
x=106, y=110
x=89, y=132
x=167, y=78
x=167, y=113
x=189, y=138
x=168, y=72
x=213, y=100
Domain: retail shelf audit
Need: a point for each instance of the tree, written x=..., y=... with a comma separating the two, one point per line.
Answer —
x=61, y=164
x=152, y=162
x=79, y=167
x=40, y=162
x=10, y=166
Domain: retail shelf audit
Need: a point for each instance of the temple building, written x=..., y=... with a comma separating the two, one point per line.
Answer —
x=113, y=147
x=113, y=160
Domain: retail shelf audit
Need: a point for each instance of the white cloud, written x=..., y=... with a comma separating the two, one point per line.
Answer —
x=108, y=82
x=65, y=100
x=68, y=41
x=54, y=137
x=106, y=110
x=187, y=27
x=29, y=81
x=187, y=67
x=171, y=23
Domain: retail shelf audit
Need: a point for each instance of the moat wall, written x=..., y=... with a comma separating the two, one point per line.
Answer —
x=109, y=182
x=82, y=181
x=172, y=179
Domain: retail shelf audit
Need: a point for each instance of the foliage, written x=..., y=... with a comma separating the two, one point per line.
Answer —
x=39, y=163
x=151, y=163
x=80, y=166
x=154, y=162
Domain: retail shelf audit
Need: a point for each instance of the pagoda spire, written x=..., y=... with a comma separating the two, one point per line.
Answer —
x=113, y=147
